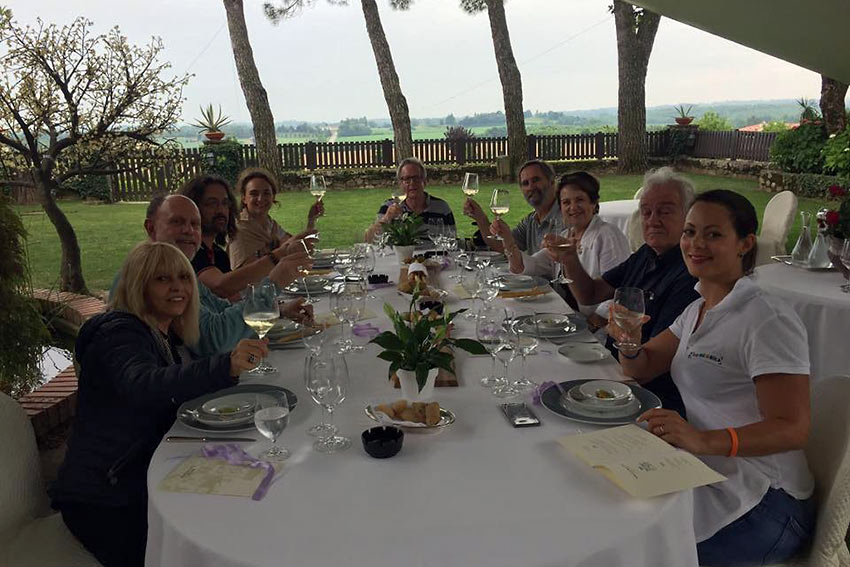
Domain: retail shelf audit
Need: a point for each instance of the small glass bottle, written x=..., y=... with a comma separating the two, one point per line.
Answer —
x=819, y=255
x=800, y=254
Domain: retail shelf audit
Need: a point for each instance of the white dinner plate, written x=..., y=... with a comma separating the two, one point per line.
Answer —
x=605, y=392
x=584, y=352
x=551, y=399
x=190, y=415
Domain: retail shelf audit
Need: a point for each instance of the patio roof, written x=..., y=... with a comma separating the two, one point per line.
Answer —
x=813, y=34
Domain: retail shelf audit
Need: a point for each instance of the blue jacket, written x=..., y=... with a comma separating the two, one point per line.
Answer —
x=128, y=397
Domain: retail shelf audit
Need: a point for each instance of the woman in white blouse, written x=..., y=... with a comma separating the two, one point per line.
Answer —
x=601, y=245
x=740, y=360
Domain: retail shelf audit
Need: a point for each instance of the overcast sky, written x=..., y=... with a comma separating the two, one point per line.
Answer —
x=319, y=65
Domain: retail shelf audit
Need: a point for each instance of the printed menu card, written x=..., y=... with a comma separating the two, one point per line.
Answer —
x=639, y=462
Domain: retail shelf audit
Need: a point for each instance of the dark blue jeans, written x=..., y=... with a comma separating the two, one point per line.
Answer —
x=777, y=528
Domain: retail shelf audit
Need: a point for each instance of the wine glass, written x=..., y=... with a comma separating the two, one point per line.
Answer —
x=343, y=261
x=271, y=418
x=327, y=383
x=560, y=276
x=489, y=288
x=260, y=312
x=304, y=273
x=318, y=186
x=628, y=310
x=500, y=205
x=506, y=351
x=527, y=343
x=314, y=338
x=471, y=283
x=435, y=231
x=487, y=329
x=321, y=429
x=845, y=260
x=353, y=294
x=470, y=184
x=399, y=195
x=364, y=254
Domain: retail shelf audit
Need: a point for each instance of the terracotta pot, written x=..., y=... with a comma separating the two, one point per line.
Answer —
x=684, y=120
x=410, y=388
x=214, y=136
x=834, y=253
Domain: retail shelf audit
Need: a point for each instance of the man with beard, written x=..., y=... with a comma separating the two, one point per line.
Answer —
x=537, y=182
x=214, y=198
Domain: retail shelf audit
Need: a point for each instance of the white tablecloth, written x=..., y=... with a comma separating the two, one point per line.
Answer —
x=823, y=307
x=479, y=493
x=618, y=213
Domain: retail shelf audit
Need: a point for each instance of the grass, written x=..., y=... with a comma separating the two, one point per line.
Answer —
x=107, y=232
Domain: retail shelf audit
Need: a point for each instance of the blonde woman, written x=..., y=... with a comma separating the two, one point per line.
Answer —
x=132, y=380
x=257, y=234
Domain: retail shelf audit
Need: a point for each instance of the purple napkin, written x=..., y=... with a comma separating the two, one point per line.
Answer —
x=365, y=330
x=234, y=455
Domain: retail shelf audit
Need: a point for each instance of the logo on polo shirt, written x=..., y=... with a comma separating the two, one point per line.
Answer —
x=716, y=359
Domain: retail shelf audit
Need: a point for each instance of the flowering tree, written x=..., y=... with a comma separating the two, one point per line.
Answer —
x=74, y=103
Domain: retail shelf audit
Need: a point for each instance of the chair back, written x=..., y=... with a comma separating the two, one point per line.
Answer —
x=638, y=193
x=635, y=231
x=778, y=217
x=22, y=493
x=828, y=454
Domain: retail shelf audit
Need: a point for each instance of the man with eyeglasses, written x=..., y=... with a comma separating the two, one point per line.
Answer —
x=436, y=214
x=537, y=183
x=657, y=268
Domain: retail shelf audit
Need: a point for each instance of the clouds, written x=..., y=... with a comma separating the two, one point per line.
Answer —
x=319, y=66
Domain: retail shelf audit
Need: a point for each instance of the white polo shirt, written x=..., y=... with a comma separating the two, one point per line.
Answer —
x=748, y=334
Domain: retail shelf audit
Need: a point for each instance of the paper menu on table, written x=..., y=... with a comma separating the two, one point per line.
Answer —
x=212, y=476
x=639, y=462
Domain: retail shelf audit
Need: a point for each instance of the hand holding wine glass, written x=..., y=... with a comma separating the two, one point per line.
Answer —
x=627, y=315
x=499, y=205
x=317, y=186
x=245, y=355
x=260, y=312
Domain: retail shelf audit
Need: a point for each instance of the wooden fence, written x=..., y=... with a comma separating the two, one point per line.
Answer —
x=165, y=175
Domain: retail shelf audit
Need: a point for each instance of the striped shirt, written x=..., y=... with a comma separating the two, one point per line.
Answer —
x=436, y=210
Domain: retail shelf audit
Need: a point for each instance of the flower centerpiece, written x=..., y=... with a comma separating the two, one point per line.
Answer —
x=419, y=346
x=402, y=233
x=837, y=224
x=211, y=123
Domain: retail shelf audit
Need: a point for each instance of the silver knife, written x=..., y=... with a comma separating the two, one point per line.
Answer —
x=191, y=439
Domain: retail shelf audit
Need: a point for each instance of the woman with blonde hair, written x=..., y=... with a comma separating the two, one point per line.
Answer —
x=132, y=379
x=257, y=234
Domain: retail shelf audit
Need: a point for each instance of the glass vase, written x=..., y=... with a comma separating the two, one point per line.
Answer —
x=800, y=254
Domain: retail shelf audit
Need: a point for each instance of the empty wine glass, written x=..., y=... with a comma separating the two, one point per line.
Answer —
x=506, y=351
x=304, y=271
x=527, y=343
x=354, y=295
x=314, y=338
x=365, y=260
x=260, y=311
x=845, y=260
x=321, y=429
x=435, y=231
x=488, y=326
x=327, y=383
x=628, y=310
x=500, y=205
x=470, y=184
x=271, y=418
x=471, y=283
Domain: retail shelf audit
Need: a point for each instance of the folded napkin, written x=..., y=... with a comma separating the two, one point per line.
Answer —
x=223, y=469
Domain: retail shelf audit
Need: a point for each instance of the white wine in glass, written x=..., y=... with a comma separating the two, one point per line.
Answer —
x=628, y=313
x=317, y=186
x=399, y=195
x=470, y=184
x=261, y=322
x=500, y=205
x=260, y=312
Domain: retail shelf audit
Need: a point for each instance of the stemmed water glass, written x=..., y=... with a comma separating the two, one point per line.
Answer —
x=327, y=383
x=304, y=273
x=364, y=259
x=436, y=229
x=470, y=184
x=471, y=283
x=260, y=311
x=845, y=261
x=527, y=343
x=500, y=205
x=628, y=310
x=354, y=295
x=271, y=418
x=487, y=330
x=507, y=350
x=321, y=429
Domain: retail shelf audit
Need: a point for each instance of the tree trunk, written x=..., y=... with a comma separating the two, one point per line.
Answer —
x=396, y=103
x=832, y=95
x=635, y=36
x=255, y=94
x=511, y=84
x=70, y=268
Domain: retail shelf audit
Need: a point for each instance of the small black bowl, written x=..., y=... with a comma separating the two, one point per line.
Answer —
x=382, y=442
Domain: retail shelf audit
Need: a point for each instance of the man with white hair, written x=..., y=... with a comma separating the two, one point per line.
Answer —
x=657, y=267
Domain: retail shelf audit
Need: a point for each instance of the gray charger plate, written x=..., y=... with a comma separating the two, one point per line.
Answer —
x=551, y=400
x=192, y=405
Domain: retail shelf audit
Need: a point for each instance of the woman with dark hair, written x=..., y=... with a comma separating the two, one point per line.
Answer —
x=740, y=359
x=132, y=380
x=257, y=234
x=601, y=245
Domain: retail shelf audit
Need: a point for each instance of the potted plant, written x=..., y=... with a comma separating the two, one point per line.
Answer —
x=211, y=123
x=402, y=233
x=684, y=117
x=419, y=346
x=837, y=223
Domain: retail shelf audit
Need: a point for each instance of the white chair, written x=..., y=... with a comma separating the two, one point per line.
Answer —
x=30, y=534
x=778, y=217
x=638, y=193
x=635, y=231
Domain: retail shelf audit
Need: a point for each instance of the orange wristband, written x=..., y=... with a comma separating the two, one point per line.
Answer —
x=733, y=435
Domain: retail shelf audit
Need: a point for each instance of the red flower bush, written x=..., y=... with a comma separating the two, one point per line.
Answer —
x=837, y=191
x=832, y=218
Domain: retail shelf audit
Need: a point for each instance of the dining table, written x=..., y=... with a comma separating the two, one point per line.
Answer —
x=476, y=493
x=817, y=297
x=619, y=213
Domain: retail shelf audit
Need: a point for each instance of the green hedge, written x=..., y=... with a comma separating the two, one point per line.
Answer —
x=800, y=150
x=812, y=185
x=89, y=187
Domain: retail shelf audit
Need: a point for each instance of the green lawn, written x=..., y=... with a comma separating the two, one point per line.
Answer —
x=107, y=232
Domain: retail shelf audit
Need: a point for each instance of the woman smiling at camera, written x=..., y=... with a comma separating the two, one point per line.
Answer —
x=740, y=360
x=257, y=234
x=132, y=380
